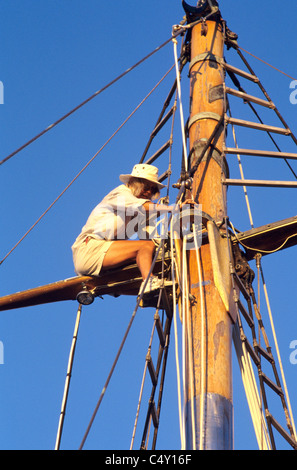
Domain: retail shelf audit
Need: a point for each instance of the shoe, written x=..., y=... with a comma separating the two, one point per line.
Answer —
x=153, y=284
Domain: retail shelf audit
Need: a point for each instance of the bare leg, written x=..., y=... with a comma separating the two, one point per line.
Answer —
x=122, y=251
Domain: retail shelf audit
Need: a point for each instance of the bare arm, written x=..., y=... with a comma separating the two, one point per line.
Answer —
x=152, y=207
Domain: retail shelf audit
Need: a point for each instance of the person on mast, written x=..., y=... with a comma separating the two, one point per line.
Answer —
x=105, y=240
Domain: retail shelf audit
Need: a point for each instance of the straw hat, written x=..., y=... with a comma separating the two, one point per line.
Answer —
x=144, y=171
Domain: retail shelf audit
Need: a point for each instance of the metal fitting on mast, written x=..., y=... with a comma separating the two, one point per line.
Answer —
x=203, y=8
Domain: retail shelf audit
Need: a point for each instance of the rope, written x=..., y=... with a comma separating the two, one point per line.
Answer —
x=139, y=298
x=145, y=370
x=237, y=84
x=182, y=28
x=247, y=379
x=68, y=377
x=187, y=343
x=170, y=148
x=203, y=353
x=260, y=270
x=190, y=346
x=242, y=176
x=274, y=108
x=85, y=101
x=259, y=264
x=181, y=427
x=160, y=358
x=174, y=263
x=249, y=382
x=109, y=377
x=85, y=167
x=184, y=325
x=141, y=388
x=182, y=123
x=277, y=350
x=247, y=373
x=262, y=251
x=266, y=63
x=179, y=29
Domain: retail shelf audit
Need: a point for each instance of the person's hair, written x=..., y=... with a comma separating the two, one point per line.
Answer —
x=138, y=185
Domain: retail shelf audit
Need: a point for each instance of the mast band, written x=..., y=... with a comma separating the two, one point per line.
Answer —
x=206, y=56
x=203, y=115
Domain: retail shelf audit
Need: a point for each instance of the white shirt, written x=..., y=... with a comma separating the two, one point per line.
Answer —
x=117, y=217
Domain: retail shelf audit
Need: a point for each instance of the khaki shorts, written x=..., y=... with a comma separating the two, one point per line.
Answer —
x=88, y=257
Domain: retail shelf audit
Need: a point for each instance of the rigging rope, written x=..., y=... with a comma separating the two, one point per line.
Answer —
x=180, y=267
x=266, y=63
x=242, y=176
x=268, y=99
x=162, y=348
x=188, y=351
x=253, y=398
x=179, y=30
x=119, y=351
x=142, y=383
x=131, y=321
x=237, y=84
x=260, y=271
x=139, y=299
x=182, y=123
x=255, y=401
x=181, y=427
x=185, y=322
x=85, y=101
x=203, y=344
x=68, y=377
x=85, y=167
x=130, y=324
x=277, y=349
x=185, y=287
x=175, y=264
x=257, y=250
x=247, y=373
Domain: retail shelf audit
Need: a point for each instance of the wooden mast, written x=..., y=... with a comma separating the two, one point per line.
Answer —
x=209, y=373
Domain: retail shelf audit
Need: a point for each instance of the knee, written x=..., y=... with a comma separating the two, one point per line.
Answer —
x=148, y=246
x=151, y=245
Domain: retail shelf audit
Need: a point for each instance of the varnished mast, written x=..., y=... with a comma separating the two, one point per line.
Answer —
x=209, y=394
x=209, y=408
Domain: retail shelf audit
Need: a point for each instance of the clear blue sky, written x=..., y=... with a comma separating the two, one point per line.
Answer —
x=54, y=55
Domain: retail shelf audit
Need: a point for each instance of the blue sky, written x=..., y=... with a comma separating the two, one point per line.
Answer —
x=55, y=54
